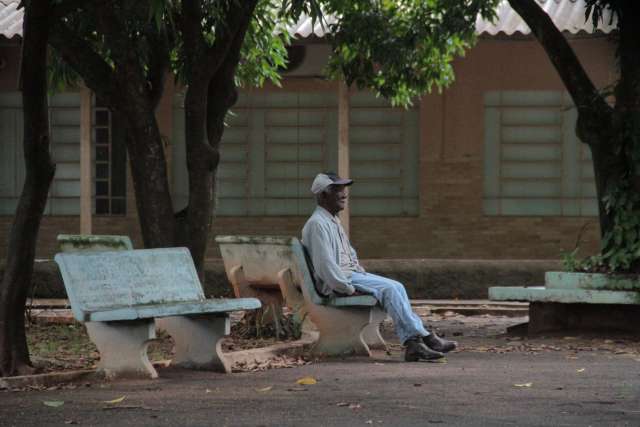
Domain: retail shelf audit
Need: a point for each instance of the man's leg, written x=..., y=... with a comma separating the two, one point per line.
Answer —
x=395, y=301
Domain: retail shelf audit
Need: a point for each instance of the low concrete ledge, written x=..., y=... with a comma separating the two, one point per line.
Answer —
x=49, y=379
x=263, y=354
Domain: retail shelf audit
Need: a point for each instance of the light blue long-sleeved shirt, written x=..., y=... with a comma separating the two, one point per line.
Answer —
x=333, y=257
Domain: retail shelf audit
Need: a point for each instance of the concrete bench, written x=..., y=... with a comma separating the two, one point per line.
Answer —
x=93, y=243
x=118, y=294
x=577, y=301
x=346, y=325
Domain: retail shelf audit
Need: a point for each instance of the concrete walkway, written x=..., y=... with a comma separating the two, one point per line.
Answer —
x=470, y=389
x=493, y=380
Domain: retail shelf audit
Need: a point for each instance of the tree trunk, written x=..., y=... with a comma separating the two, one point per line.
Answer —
x=14, y=353
x=596, y=120
x=210, y=94
x=149, y=173
x=202, y=161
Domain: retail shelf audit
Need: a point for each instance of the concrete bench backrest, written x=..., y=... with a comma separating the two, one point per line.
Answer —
x=262, y=257
x=98, y=281
x=93, y=243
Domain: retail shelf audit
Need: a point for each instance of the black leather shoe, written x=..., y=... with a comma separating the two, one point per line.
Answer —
x=436, y=343
x=416, y=350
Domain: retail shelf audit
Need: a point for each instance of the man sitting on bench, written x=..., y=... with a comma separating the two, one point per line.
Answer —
x=337, y=270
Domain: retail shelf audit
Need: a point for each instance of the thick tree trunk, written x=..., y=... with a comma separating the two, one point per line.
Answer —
x=202, y=161
x=14, y=353
x=149, y=173
x=210, y=94
x=130, y=89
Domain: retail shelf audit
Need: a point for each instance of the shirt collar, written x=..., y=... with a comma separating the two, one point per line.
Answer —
x=327, y=215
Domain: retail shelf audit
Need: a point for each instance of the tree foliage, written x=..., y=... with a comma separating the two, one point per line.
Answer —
x=401, y=49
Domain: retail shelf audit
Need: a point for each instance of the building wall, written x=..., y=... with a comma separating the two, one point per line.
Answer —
x=451, y=222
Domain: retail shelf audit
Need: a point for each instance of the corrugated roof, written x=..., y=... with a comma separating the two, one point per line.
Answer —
x=10, y=18
x=568, y=15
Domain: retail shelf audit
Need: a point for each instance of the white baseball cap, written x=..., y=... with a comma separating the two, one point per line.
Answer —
x=324, y=180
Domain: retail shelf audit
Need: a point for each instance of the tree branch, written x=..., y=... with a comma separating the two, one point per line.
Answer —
x=582, y=90
x=96, y=73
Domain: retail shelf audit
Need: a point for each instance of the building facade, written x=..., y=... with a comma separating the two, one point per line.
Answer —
x=490, y=168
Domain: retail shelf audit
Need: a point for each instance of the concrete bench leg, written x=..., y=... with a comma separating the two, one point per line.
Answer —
x=198, y=340
x=294, y=299
x=371, y=332
x=340, y=330
x=271, y=310
x=123, y=347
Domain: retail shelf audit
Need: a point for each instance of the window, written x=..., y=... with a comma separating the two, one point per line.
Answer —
x=534, y=163
x=64, y=122
x=110, y=162
x=276, y=142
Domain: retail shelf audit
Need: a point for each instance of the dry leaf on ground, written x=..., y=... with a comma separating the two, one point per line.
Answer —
x=306, y=381
x=264, y=389
x=53, y=403
x=116, y=400
x=523, y=385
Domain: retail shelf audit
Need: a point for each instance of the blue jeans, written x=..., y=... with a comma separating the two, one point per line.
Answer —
x=394, y=300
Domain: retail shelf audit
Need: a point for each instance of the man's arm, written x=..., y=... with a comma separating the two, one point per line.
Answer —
x=318, y=243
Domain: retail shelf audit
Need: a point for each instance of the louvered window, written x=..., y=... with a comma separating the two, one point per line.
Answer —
x=534, y=163
x=276, y=142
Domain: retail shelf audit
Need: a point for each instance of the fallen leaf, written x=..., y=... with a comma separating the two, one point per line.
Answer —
x=306, y=381
x=524, y=385
x=70, y=422
x=580, y=370
x=53, y=403
x=355, y=406
x=208, y=390
x=369, y=422
x=342, y=404
x=116, y=400
x=264, y=389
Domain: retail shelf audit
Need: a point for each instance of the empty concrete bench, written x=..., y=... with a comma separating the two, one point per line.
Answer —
x=346, y=325
x=93, y=243
x=118, y=294
x=578, y=301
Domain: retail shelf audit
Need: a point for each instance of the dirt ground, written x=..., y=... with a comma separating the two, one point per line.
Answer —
x=60, y=347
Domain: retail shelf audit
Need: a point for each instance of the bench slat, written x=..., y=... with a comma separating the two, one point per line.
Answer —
x=362, y=300
x=172, y=309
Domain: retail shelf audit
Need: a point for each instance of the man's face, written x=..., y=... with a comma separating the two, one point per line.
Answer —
x=336, y=198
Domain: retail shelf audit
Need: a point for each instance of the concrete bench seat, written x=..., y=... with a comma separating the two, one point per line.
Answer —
x=581, y=301
x=346, y=325
x=567, y=296
x=358, y=300
x=170, y=309
x=118, y=294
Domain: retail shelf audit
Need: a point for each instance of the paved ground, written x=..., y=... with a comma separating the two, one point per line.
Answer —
x=493, y=380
